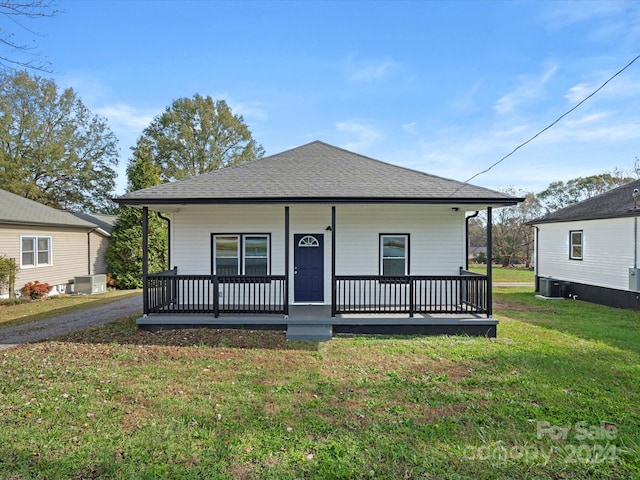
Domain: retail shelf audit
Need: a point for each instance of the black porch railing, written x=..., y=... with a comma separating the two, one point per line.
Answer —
x=467, y=293
x=453, y=294
x=168, y=292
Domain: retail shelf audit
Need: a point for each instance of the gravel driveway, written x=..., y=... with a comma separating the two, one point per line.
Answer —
x=63, y=324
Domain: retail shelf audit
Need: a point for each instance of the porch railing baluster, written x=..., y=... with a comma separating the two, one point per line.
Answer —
x=169, y=292
x=412, y=294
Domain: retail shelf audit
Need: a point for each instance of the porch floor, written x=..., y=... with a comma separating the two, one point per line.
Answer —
x=314, y=322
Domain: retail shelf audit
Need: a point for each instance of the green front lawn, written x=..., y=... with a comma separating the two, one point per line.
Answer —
x=554, y=396
x=502, y=274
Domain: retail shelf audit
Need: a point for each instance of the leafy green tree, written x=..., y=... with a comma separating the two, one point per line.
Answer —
x=198, y=135
x=8, y=271
x=124, y=254
x=511, y=237
x=560, y=194
x=52, y=149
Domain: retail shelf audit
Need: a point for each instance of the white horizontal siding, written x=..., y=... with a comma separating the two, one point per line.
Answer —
x=437, y=242
x=436, y=238
x=607, y=252
x=69, y=254
x=192, y=229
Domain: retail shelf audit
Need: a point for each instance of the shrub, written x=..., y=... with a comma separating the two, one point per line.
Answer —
x=10, y=302
x=480, y=257
x=36, y=289
x=8, y=271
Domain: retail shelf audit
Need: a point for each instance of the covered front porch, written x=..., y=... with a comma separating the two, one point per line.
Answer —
x=384, y=303
x=458, y=304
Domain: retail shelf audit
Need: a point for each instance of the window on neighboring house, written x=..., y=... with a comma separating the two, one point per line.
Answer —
x=241, y=254
x=575, y=245
x=35, y=251
x=394, y=255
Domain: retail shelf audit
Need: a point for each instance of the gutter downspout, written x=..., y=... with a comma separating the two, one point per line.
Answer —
x=635, y=242
x=89, y=252
x=168, y=220
x=466, y=236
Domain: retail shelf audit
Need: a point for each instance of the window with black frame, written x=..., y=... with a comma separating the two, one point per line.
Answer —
x=394, y=255
x=575, y=244
x=240, y=254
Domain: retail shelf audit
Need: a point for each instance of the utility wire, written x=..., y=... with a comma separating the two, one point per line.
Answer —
x=466, y=182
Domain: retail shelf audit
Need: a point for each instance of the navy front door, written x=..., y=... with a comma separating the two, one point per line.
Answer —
x=308, y=268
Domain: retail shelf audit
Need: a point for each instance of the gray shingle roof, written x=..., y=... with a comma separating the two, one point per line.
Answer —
x=612, y=204
x=312, y=173
x=18, y=210
x=104, y=222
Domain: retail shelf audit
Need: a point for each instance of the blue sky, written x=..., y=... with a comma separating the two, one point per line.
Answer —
x=447, y=88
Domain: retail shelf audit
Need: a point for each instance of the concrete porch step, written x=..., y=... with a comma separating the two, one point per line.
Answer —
x=306, y=332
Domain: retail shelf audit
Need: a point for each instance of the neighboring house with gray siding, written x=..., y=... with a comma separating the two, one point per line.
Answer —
x=50, y=245
x=318, y=228
x=590, y=250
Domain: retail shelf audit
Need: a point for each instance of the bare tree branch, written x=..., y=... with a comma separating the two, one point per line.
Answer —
x=16, y=54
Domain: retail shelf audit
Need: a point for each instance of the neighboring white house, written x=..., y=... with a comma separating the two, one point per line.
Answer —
x=315, y=225
x=589, y=250
x=50, y=245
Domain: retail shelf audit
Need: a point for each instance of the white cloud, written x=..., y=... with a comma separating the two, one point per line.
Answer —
x=587, y=119
x=369, y=71
x=579, y=92
x=563, y=14
x=530, y=88
x=125, y=116
x=624, y=85
x=365, y=135
x=250, y=110
x=410, y=128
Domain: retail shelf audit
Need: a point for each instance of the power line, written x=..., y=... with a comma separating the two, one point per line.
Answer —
x=466, y=182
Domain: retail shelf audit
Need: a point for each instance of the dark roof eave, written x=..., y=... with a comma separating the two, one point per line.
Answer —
x=630, y=213
x=316, y=200
x=89, y=226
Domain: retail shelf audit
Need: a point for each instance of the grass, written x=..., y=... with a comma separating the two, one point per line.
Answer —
x=116, y=402
x=502, y=274
x=33, y=310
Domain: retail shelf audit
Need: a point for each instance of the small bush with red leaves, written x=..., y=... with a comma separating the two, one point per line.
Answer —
x=36, y=289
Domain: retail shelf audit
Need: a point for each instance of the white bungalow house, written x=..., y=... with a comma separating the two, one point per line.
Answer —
x=320, y=236
x=589, y=250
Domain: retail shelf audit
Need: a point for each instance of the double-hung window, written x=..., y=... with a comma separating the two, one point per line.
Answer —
x=394, y=255
x=575, y=244
x=256, y=254
x=241, y=254
x=35, y=251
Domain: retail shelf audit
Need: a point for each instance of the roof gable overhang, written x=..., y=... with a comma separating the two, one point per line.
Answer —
x=475, y=202
x=27, y=223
